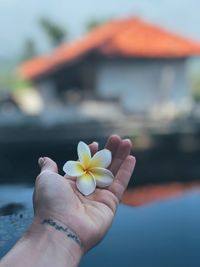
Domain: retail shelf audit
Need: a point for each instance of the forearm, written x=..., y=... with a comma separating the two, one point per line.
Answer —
x=44, y=245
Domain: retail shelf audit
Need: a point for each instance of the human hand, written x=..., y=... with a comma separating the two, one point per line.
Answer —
x=90, y=217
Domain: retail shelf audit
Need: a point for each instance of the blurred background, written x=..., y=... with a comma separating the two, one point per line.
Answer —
x=84, y=70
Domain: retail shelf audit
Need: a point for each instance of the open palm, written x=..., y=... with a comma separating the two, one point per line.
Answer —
x=90, y=216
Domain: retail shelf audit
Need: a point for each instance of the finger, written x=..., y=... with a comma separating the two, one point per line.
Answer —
x=123, y=176
x=94, y=147
x=47, y=164
x=123, y=150
x=72, y=178
x=113, y=143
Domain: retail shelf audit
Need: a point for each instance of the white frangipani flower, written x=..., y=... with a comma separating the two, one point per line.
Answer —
x=90, y=171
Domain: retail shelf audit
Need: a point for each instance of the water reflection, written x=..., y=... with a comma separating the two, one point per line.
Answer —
x=161, y=234
x=147, y=194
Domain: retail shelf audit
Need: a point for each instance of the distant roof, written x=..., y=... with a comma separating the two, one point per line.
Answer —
x=119, y=38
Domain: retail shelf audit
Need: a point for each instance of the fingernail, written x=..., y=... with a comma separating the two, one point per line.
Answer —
x=128, y=140
x=95, y=143
x=40, y=161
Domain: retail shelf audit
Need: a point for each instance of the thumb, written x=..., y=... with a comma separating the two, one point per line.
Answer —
x=47, y=164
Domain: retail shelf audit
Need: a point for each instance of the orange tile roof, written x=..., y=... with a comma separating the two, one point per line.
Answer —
x=125, y=38
x=152, y=193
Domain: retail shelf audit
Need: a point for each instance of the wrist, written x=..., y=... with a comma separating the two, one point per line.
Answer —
x=51, y=237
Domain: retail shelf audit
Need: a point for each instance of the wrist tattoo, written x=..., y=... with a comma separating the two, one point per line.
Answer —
x=68, y=232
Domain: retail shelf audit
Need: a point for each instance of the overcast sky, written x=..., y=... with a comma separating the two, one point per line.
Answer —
x=18, y=18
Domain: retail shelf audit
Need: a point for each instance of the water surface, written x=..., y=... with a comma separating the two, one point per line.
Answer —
x=164, y=233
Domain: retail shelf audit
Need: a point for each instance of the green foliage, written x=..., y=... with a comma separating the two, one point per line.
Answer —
x=12, y=82
x=55, y=33
x=196, y=88
x=93, y=23
x=29, y=50
x=19, y=84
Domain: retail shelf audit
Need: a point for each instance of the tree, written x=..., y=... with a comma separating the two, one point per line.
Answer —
x=93, y=23
x=55, y=33
x=29, y=49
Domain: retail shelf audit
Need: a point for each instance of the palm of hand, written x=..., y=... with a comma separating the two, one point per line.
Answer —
x=89, y=216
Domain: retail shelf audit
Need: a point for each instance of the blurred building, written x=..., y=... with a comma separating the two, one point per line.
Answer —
x=8, y=104
x=129, y=61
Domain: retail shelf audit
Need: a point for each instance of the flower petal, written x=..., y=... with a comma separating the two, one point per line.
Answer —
x=73, y=168
x=86, y=184
x=84, y=153
x=101, y=159
x=102, y=176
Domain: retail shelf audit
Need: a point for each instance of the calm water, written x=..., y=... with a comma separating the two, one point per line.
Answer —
x=161, y=234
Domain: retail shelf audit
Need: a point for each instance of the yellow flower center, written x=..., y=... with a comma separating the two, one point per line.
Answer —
x=87, y=169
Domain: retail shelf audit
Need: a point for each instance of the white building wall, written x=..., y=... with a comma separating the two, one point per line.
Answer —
x=47, y=91
x=142, y=84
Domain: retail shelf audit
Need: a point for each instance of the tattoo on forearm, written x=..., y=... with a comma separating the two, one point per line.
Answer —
x=68, y=232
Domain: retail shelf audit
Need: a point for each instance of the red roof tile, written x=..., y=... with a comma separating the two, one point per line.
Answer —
x=126, y=38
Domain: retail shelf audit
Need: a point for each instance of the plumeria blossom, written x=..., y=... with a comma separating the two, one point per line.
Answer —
x=90, y=171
